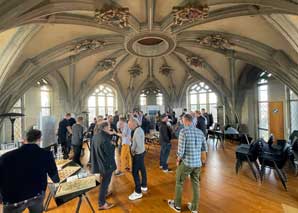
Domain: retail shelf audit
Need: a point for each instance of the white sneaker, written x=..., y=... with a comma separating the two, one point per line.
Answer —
x=189, y=207
x=167, y=170
x=144, y=189
x=135, y=196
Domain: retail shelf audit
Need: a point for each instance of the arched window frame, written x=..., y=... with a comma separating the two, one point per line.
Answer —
x=102, y=101
x=45, y=98
x=263, y=105
x=293, y=110
x=200, y=95
x=151, y=91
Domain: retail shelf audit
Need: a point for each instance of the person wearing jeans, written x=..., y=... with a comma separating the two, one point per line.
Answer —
x=191, y=146
x=165, y=136
x=24, y=175
x=103, y=161
x=34, y=205
x=138, y=165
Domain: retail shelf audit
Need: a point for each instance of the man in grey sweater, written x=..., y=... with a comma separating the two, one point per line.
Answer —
x=77, y=139
x=138, y=153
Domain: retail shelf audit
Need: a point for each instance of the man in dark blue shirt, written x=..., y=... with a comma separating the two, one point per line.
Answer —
x=63, y=131
x=23, y=178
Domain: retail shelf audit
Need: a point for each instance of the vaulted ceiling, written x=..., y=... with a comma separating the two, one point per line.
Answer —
x=154, y=44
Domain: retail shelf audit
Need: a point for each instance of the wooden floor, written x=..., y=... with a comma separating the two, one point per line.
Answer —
x=221, y=189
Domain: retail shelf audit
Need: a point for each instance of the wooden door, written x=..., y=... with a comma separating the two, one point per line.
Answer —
x=276, y=120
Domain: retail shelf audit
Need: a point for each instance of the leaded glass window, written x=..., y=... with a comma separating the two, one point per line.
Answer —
x=155, y=95
x=293, y=111
x=201, y=96
x=45, y=100
x=263, y=106
x=101, y=102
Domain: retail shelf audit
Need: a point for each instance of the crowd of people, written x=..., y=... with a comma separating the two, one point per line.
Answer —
x=106, y=133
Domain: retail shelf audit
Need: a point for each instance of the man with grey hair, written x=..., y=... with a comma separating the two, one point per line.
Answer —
x=138, y=154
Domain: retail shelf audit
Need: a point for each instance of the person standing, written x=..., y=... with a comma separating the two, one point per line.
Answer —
x=103, y=162
x=206, y=116
x=165, y=136
x=115, y=118
x=192, y=146
x=138, y=164
x=125, y=156
x=63, y=130
x=24, y=174
x=201, y=122
x=91, y=128
x=77, y=139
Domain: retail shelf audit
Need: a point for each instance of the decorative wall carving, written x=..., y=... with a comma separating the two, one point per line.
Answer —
x=189, y=14
x=166, y=70
x=106, y=64
x=195, y=61
x=135, y=70
x=113, y=16
x=215, y=41
x=88, y=44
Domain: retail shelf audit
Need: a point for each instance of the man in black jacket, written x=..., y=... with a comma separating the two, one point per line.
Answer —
x=103, y=161
x=165, y=136
x=201, y=122
x=23, y=179
x=63, y=131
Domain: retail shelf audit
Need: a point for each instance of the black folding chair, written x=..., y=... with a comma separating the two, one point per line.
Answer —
x=248, y=153
x=275, y=158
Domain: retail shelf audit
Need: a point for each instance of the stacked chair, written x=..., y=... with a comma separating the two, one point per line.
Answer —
x=248, y=153
x=294, y=145
x=261, y=154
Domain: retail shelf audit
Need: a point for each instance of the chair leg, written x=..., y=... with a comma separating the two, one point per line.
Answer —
x=237, y=166
x=262, y=171
x=258, y=167
x=281, y=177
x=284, y=174
x=252, y=168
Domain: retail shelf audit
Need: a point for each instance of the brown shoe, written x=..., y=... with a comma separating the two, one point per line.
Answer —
x=106, y=206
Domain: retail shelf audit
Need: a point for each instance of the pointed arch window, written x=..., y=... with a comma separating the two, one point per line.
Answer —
x=263, y=105
x=102, y=102
x=154, y=95
x=201, y=96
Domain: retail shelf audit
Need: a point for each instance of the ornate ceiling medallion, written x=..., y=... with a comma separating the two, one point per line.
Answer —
x=150, y=44
x=113, y=16
x=189, y=13
x=195, y=61
x=135, y=70
x=88, y=44
x=166, y=70
x=106, y=64
x=215, y=41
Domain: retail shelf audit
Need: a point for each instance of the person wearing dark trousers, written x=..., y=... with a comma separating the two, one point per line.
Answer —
x=165, y=136
x=63, y=131
x=24, y=174
x=77, y=139
x=103, y=162
x=201, y=123
x=138, y=154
